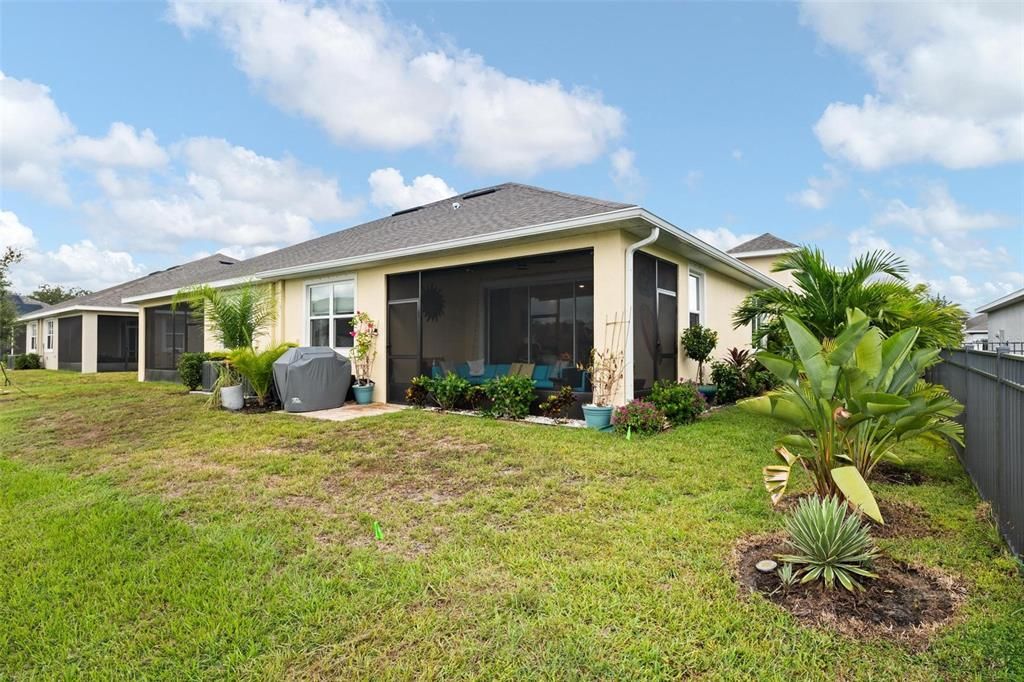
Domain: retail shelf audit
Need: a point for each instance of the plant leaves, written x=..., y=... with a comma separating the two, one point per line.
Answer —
x=856, y=491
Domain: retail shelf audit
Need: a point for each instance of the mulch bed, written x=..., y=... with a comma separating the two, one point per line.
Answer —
x=901, y=520
x=905, y=602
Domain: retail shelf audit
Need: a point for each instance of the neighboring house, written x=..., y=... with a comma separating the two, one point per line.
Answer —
x=482, y=280
x=99, y=332
x=761, y=253
x=976, y=331
x=22, y=306
x=1006, y=321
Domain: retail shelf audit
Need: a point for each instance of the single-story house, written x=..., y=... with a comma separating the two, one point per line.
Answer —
x=1006, y=321
x=99, y=332
x=14, y=338
x=484, y=280
x=762, y=252
x=976, y=331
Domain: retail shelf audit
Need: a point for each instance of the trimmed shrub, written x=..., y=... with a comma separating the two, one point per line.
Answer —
x=698, y=343
x=557, y=406
x=761, y=380
x=190, y=369
x=638, y=416
x=476, y=399
x=681, y=402
x=510, y=396
x=731, y=382
x=418, y=394
x=830, y=543
x=28, y=361
x=450, y=391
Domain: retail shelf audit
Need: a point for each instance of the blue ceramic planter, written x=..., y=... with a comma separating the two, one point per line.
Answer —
x=599, y=418
x=364, y=394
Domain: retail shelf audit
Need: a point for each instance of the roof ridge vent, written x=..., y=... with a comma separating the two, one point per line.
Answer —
x=480, y=193
x=406, y=210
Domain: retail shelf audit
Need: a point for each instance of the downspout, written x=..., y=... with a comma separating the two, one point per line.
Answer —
x=627, y=372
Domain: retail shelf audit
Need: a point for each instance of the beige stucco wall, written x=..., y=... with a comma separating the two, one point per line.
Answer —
x=49, y=356
x=764, y=264
x=89, y=342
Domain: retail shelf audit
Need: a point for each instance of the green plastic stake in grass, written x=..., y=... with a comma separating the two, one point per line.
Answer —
x=377, y=531
x=629, y=433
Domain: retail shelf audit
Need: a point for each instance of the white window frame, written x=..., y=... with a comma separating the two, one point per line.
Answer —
x=702, y=296
x=33, y=337
x=50, y=333
x=334, y=317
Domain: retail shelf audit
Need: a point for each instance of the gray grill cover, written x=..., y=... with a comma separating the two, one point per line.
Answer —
x=312, y=378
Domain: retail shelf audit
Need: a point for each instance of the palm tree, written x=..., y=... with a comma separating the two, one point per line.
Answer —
x=822, y=293
x=235, y=316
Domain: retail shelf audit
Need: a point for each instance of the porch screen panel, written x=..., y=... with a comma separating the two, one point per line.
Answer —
x=403, y=337
x=116, y=343
x=552, y=311
x=645, y=320
x=509, y=328
x=169, y=333
x=69, y=343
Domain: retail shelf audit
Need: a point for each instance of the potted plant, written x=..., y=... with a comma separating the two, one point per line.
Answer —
x=227, y=390
x=364, y=352
x=605, y=368
x=698, y=343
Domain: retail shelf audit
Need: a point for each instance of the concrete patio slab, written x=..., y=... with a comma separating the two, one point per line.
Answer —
x=350, y=411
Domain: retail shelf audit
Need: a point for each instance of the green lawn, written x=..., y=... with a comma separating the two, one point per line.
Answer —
x=143, y=535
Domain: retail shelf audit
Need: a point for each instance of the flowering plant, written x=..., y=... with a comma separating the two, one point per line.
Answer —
x=364, y=347
x=639, y=416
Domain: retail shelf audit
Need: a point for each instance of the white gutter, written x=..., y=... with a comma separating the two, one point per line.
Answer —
x=167, y=293
x=1011, y=297
x=518, y=233
x=58, y=312
x=627, y=362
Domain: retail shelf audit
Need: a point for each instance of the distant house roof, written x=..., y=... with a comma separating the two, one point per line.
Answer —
x=472, y=214
x=765, y=245
x=1009, y=299
x=24, y=304
x=978, y=323
x=207, y=269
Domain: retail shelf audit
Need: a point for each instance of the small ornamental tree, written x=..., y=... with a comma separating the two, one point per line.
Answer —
x=364, y=347
x=698, y=343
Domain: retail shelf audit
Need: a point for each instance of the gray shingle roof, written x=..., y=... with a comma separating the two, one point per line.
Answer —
x=215, y=267
x=766, y=242
x=24, y=304
x=977, y=323
x=481, y=212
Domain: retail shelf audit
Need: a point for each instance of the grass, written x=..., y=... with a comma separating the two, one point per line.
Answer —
x=143, y=535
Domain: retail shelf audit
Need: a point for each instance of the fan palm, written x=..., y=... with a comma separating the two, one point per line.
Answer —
x=822, y=293
x=235, y=316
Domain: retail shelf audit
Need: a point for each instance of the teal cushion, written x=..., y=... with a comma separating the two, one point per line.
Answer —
x=541, y=372
x=500, y=370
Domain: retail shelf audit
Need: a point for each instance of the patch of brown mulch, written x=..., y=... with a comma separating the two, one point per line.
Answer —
x=906, y=602
x=887, y=472
x=901, y=520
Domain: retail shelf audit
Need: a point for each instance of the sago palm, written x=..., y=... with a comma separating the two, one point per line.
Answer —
x=822, y=293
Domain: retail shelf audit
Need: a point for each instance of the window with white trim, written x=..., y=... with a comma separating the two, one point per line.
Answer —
x=32, y=331
x=331, y=307
x=695, y=289
x=49, y=334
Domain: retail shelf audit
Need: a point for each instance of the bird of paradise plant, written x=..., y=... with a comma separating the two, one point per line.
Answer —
x=852, y=399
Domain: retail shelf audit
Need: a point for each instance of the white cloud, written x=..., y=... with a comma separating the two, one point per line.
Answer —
x=737, y=154
x=81, y=264
x=34, y=131
x=940, y=212
x=722, y=238
x=14, y=234
x=949, y=82
x=367, y=79
x=819, y=191
x=122, y=146
x=388, y=189
x=971, y=294
x=866, y=240
x=962, y=255
x=625, y=174
x=226, y=194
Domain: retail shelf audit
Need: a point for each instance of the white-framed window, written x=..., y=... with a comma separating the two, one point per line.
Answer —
x=49, y=334
x=329, y=310
x=32, y=332
x=696, y=291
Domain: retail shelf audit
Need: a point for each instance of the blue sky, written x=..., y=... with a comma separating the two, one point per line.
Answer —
x=137, y=135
